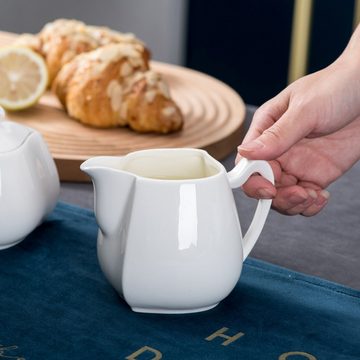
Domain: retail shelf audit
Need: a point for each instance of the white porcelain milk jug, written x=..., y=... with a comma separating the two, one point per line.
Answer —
x=29, y=182
x=170, y=239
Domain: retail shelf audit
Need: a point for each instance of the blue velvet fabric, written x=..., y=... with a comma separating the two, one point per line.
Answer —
x=56, y=304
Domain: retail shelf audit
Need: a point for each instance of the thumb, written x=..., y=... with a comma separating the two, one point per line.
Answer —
x=277, y=139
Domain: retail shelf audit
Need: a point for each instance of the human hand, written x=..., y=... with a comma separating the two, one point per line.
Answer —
x=313, y=106
x=306, y=169
x=293, y=131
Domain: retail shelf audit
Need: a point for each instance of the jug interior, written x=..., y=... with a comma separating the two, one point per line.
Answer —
x=172, y=165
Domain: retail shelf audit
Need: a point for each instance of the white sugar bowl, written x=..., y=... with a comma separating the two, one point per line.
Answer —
x=29, y=182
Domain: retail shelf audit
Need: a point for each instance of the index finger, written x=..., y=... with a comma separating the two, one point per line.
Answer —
x=266, y=115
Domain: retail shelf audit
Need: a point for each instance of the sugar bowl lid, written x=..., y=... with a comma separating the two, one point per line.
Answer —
x=12, y=135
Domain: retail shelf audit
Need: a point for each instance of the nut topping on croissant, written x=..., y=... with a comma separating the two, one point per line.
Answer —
x=112, y=86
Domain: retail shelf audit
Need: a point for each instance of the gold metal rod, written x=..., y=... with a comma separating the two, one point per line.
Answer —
x=356, y=19
x=300, y=36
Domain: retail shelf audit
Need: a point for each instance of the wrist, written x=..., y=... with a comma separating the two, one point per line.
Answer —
x=347, y=144
x=351, y=54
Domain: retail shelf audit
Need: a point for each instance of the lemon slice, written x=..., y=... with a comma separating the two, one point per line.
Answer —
x=23, y=77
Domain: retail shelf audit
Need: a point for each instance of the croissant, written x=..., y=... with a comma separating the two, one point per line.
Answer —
x=113, y=86
x=102, y=77
x=61, y=40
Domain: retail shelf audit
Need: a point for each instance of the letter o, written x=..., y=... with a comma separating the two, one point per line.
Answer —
x=285, y=356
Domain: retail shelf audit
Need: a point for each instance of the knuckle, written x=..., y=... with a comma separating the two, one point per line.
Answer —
x=274, y=133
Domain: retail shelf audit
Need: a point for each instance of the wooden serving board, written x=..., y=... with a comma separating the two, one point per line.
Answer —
x=213, y=120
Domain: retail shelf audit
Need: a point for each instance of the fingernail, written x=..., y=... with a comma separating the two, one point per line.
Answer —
x=321, y=200
x=251, y=146
x=312, y=194
x=325, y=194
x=265, y=194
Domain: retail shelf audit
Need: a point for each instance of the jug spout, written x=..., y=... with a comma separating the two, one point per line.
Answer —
x=113, y=190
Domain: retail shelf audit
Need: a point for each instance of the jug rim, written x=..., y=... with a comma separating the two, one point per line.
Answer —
x=220, y=169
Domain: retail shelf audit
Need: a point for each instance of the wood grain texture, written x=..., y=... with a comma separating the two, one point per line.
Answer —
x=213, y=121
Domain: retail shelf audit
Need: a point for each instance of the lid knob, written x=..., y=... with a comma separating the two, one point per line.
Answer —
x=12, y=135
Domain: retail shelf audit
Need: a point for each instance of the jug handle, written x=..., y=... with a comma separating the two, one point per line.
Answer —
x=237, y=177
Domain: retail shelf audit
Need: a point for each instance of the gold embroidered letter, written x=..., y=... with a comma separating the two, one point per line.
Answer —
x=307, y=356
x=220, y=333
x=134, y=355
x=3, y=349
